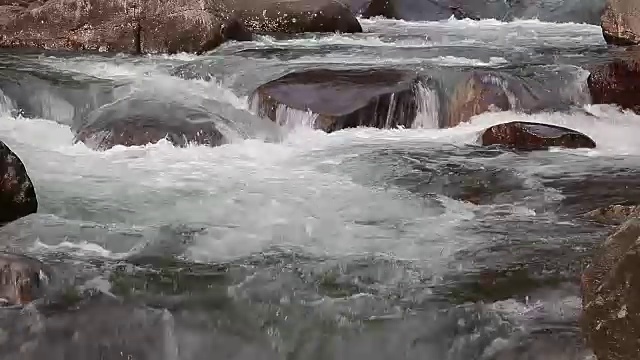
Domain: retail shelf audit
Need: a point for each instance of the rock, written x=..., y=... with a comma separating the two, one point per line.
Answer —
x=614, y=214
x=611, y=296
x=121, y=26
x=338, y=99
x=136, y=122
x=17, y=194
x=22, y=279
x=621, y=22
x=295, y=16
x=373, y=8
x=534, y=136
x=617, y=82
x=478, y=93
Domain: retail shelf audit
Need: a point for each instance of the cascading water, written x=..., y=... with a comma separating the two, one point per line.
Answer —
x=291, y=243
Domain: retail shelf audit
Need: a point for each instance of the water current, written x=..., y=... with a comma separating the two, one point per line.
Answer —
x=291, y=243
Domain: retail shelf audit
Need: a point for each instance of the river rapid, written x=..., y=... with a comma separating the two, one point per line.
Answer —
x=291, y=243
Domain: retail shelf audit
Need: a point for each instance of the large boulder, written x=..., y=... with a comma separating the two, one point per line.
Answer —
x=122, y=26
x=478, y=93
x=617, y=82
x=621, y=22
x=295, y=16
x=17, y=195
x=373, y=8
x=338, y=99
x=135, y=122
x=611, y=296
x=522, y=135
x=22, y=279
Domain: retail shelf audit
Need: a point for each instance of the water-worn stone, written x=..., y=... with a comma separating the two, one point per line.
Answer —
x=295, y=16
x=381, y=98
x=373, y=8
x=22, y=279
x=17, y=195
x=617, y=82
x=478, y=93
x=135, y=122
x=614, y=214
x=522, y=135
x=621, y=22
x=122, y=26
x=611, y=296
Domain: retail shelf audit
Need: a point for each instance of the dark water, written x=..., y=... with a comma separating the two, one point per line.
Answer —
x=290, y=243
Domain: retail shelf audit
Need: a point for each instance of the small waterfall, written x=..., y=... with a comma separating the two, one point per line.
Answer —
x=428, y=114
x=292, y=118
x=6, y=104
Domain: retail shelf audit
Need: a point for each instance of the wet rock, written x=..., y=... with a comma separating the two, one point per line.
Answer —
x=295, y=16
x=17, y=195
x=478, y=93
x=135, y=122
x=621, y=22
x=121, y=26
x=617, y=82
x=614, y=214
x=95, y=329
x=534, y=136
x=611, y=296
x=381, y=98
x=22, y=279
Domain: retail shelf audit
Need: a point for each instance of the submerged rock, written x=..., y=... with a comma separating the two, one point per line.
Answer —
x=522, y=135
x=22, y=279
x=121, y=26
x=135, y=122
x=17, y=194
x=617, y=82
x=611, y=296
x=621, y=22
x=614, y=214
x=338, y=99
x=95, y=329
x=295, y=16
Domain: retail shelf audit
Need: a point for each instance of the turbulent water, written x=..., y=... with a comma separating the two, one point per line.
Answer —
x=290, y=243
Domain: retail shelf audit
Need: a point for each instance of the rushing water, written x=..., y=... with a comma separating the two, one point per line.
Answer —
x=290, y=243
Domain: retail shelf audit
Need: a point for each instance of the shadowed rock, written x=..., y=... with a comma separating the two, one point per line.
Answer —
x=121, y=26
x=614, y=214
x=17, y=195
x=478, y=93
x=611, y=296
x=534, y=136
x=372, y=8
x=295, y=16
x=381, y=98
x=621, y=22
x=617, y=82
x=139, y=122
x=22, y=279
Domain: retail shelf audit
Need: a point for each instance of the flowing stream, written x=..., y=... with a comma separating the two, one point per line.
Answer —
x=291, y=243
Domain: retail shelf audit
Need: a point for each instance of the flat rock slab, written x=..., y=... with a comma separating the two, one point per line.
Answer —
x=17, y=194
x=534, y=136
x=381, y=98
x=611, y=296
x=136, y=122
x=22, y=279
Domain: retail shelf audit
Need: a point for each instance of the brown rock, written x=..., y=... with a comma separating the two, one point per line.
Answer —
x=140, y=121
x=17, y=195
x=611, y=296
x=476, y=94
x=617, y=82
x=22, y=279
x=621, y=22
x=534, y=136
x=295, y=16
x=382, y=98
x=614, y=214
x=120, y=26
